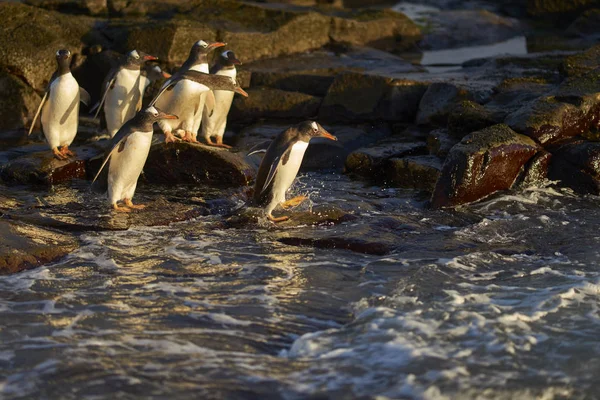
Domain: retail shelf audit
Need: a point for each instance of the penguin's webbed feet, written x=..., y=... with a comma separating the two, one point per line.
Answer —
x=219, y=143
x=277, y=219
x=170, y=138
x=119, y=208
x=189, y=137
x=66, y=152
x=296, y=201
x=129, y=204
x=58, y=154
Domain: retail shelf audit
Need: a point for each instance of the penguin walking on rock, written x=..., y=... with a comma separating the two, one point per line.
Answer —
x=187, y=98
x=60, y=107
x=121, y=94
x=281, y=164
x=214, y=125
x=126, y=157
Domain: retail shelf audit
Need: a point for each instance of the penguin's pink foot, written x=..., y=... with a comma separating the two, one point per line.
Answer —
x=277, y=219
x=209, y=142
x=66, y=152
x=129, y=204
x=296, y=201
x=170, y=138
x=119, y=208
x=58, y=154
x=189, y=137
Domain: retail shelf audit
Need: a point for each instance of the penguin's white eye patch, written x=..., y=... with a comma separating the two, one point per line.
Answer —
x=134, y=54
x=314, y=126
x=152, y=111
x=202, y=43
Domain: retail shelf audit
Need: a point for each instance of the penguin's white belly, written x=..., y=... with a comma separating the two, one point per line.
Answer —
x=122, y=100
x=287, y=173
x=183, y=100
x=60, y=114
x=126, y=166
x=215, y=124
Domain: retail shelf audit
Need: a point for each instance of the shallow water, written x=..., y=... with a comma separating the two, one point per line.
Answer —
x=499, y=300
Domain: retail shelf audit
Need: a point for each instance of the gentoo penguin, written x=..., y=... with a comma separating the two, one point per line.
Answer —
x=127, y=153
x=187, y=98
x=121, y=93
x=214, y=125
x=150, y=73
x=280, y=166
x=60, y=107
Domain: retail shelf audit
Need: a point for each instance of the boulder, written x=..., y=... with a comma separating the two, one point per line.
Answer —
x=559, y=10
x=577, y=165
x=87, y=7
x=275, y=104
x=370, y=161
x=586, y=24
x=581, y=63
x=468, y=116
x=513, y=93
x=536, y=170
x=303, y=82
x=365, y=97
x=23, y=246
x=569, y=110
x=437, y=102
x=18, y=103
x=177, y=163
x=440, y=142
x=482, y=163
x=413, y=172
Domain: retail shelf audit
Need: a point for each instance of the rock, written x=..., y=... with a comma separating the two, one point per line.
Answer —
x=513, y=93
x=581, y=63
x=180, y=162
x=585, y=25
x=577, y=165
x=381, y=29
x=481, y=164
x=413, y=172
x=468, y=116
x=315, y=85
x=437, y=101
x=569, y=110
x=275, y=104
x=88, y=7
x=364, y=97
x=41, y=168
x=18, y=103
x=31, y=36
x=369, y=161
x=536, y=170
x=440, y=142
x=319, y=215
x=559, y=10
x=24, y=246
x=462, y=28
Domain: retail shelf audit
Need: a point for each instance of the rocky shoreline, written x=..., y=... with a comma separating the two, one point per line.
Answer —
x=457, y=134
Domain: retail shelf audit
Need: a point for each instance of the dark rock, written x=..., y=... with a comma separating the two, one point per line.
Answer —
x=88, y=7
x=273, y=103
x=437, y=101
x=468, y=116
x=536, y=170
x=18, y=103
x=577, y=165
x=24, y=246
x=567, y=111
x=440, y=142
x=320, y=215
x=41, y=168
x=586, y=25
x=481, y=164
x=559, y=10
x=177, y=163
x=369, y=161
x=365, y=97
x=31, y=36
x=513, y=93
x=462, y=28
x=315, y=85
x=581, y=63
x=413, y=172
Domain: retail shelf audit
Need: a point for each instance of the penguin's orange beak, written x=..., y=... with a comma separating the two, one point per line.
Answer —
x=216, y=44
x=241, y=91
x=169, y=116
x=148, y=57
x=327, y=135
x=166, y=75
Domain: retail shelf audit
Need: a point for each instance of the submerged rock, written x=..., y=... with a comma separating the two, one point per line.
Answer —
x=482, y=163
x=24, y=246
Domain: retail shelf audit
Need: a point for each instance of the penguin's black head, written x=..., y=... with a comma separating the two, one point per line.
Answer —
x=154, y=73
x=201, y=48
x=137, y=58
x=153, y=114
x=228, y=59
x=311, y=129
x=63, y=58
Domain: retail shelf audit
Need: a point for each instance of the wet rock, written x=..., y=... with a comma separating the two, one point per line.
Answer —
x=88, y=7
x=577, y=165
x=42, y=168
x=440, y=142
x=468, y=116
x=275, y=104
x=581, y=63
x=413, y=172
x=513, y=93
x=180, y=162
x=481, y=164
x=462, y=28
x=586, y=24
x=31, y=36
x=24, y=246
x=567, y=111
x=369, y=161
x=319, y=215
x=382, y=29
x=18, y=103
x=364, y=97
x=536, y=170
x=437, y=102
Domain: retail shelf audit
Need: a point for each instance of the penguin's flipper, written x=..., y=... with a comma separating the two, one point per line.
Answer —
x=116, y=143
x=259, y=148
x=272, y=172
x=209, y=103
x=37, y=113
x=84, y=96
x=168, y=84
x=109, y=83
x=104, y=163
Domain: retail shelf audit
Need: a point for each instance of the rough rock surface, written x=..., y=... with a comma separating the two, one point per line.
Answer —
x=577, y=165
x=481, y=164
x=274, y=104
x=18, y=103
x=468, y=116
x=438, y=101
x=413, y=172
